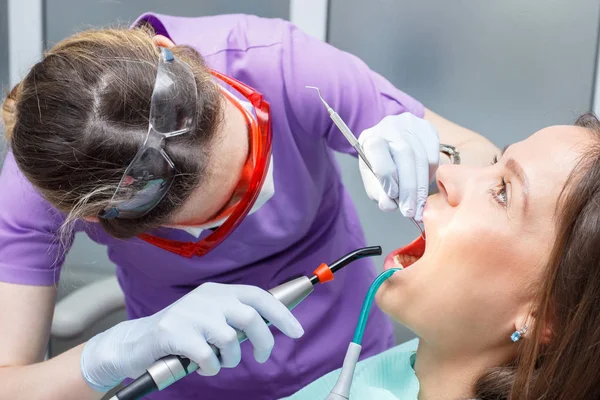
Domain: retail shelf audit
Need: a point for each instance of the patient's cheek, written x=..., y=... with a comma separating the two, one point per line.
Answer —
x=476, y=239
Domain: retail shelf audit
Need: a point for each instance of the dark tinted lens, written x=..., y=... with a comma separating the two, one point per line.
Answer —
x=144, y=184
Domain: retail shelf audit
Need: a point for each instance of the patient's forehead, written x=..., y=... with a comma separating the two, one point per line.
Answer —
x=547, y=158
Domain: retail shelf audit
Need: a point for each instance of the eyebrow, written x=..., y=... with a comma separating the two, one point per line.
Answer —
x=517, y=170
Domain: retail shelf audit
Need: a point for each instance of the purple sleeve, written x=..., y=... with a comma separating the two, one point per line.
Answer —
x=359, y=95
x=30, y=250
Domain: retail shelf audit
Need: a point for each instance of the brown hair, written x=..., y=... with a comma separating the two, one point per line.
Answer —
x=567, y=367
x=80, y=115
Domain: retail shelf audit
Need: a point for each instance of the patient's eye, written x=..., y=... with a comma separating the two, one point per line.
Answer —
x=499, y=192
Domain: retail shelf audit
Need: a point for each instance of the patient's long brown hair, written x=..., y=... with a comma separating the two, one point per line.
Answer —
x=568, y=366
x=81, y=114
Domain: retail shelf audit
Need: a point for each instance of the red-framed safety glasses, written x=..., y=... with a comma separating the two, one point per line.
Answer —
x=253, y=175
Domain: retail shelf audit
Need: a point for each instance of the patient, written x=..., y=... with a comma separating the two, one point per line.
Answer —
x=512, y=253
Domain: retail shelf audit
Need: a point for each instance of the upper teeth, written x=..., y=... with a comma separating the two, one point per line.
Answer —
x=402, y=260
x=397, y=262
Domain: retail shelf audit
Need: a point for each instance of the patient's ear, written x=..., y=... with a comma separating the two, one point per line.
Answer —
x=546, y=328
x=91, y=219
x=530, y=320
x=546, y=335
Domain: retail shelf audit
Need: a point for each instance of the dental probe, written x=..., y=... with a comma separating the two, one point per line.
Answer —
x=339, y=122
x=170, y=369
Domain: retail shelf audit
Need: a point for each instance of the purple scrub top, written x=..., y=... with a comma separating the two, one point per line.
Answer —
x=309, y=220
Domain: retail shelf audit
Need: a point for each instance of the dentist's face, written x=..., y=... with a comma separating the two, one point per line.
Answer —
x=489, y=233
x=230, y=151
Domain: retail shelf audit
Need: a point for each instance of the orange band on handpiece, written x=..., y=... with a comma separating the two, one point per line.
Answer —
x=323, y=273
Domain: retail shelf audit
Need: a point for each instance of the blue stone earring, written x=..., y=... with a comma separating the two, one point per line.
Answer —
x=516, y=336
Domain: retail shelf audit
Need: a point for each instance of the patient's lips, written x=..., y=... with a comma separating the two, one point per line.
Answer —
x=405, y=256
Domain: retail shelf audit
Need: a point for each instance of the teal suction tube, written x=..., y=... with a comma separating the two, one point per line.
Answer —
x=341, y=390
x=366, y=307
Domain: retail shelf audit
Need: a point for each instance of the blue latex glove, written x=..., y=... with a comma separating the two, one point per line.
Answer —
x=404, y=153
x=208, y=314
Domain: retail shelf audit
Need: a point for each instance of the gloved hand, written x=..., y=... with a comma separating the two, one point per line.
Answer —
x=206, y=315
x=404, y=153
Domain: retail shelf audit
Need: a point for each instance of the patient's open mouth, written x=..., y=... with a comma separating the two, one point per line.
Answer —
x=405, y=256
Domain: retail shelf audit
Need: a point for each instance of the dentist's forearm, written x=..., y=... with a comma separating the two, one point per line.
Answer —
x=56, y=379
x=474, y=149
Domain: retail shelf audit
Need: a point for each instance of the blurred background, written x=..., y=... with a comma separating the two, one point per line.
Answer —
x=504, y=69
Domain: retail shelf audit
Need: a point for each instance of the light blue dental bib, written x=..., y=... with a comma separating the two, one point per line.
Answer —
x=386, y=376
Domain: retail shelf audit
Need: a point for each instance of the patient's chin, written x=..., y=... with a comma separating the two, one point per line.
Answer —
x=391, y=300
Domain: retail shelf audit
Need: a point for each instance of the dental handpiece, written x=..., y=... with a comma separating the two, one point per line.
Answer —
x=168, y=370
x=339, y=122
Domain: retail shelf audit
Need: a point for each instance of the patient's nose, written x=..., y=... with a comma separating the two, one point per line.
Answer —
x=452, y=180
